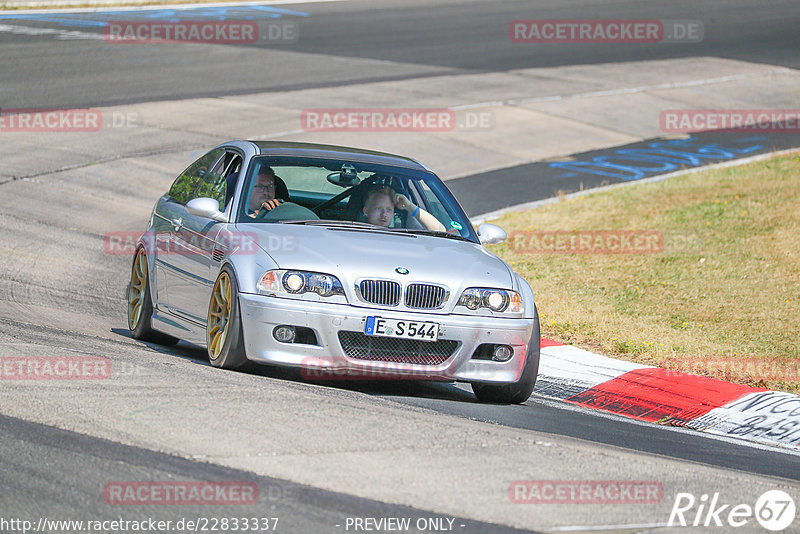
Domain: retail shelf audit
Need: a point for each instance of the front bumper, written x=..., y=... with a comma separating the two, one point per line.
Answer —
x=261, y=314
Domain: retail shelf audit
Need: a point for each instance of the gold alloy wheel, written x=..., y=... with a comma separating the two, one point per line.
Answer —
x=219, y=313
x=137, y=289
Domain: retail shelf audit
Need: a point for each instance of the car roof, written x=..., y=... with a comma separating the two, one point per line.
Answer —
x=288, y=148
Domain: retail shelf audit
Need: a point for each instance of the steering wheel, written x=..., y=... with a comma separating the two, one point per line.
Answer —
x=286, y=211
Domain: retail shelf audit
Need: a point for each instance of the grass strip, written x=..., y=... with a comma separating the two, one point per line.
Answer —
x=709, y=282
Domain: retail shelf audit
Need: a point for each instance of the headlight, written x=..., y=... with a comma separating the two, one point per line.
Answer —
x=497, y=300
x=299, y=282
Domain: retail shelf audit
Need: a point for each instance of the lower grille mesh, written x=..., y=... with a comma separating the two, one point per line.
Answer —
x=385, y=349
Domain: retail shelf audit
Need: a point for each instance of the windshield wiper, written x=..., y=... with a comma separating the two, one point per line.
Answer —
x=431, y=232
x=332, y=222
x=368, y=226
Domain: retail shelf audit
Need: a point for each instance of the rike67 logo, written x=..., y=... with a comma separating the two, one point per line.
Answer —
x=774, y=510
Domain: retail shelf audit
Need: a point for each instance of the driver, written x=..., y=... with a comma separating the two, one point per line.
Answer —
x=263, y=197
x=379, y=208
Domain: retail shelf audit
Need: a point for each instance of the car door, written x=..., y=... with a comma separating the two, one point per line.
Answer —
x=196, y=252
x=168, y=220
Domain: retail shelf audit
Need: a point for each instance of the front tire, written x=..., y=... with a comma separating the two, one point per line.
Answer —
x=140, y=304
x=519, y=391
x=224, y=337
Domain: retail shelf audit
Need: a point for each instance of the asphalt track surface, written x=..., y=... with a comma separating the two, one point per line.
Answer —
x=452, y=36
x=47, y=471
x=70, y=468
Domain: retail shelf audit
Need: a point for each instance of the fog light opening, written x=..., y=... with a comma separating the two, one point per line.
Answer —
x=502, y=353
x=284, y=334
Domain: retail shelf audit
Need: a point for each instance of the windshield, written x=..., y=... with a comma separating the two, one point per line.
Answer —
x=285, y=189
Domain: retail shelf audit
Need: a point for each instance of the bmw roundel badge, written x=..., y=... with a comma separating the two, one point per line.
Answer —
x=401, y=270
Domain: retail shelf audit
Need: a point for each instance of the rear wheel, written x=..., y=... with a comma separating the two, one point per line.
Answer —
x=519, y=391
x=224, y=337
x=140, y=304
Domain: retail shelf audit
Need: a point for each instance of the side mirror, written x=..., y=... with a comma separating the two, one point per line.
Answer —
x=205, y=207
x=491, y=234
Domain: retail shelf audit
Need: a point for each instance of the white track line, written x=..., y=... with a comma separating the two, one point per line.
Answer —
x=63, y=35
x=111, y=7
x=620, y=91
x=590, y=528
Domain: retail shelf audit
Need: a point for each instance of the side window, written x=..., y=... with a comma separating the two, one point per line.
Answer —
x=183, y=188
x=232, y=176
x=434, y=205
x=220, y=182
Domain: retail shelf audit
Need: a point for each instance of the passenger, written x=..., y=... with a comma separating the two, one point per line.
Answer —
x=380, y=203
x=263, y=196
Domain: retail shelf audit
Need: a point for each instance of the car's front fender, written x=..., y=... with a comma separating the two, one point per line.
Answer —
x=526, y=292
x=249, y=268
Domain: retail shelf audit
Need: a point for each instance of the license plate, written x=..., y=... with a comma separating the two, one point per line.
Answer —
x=378, y=326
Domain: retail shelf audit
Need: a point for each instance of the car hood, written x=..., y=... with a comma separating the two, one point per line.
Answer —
x=351, y=254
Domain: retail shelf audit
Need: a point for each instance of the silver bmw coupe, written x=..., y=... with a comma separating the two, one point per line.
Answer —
x=346, y=263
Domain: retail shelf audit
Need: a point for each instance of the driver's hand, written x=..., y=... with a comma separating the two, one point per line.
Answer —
x=267, y=206
x=271, y=204
x=402, y=202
